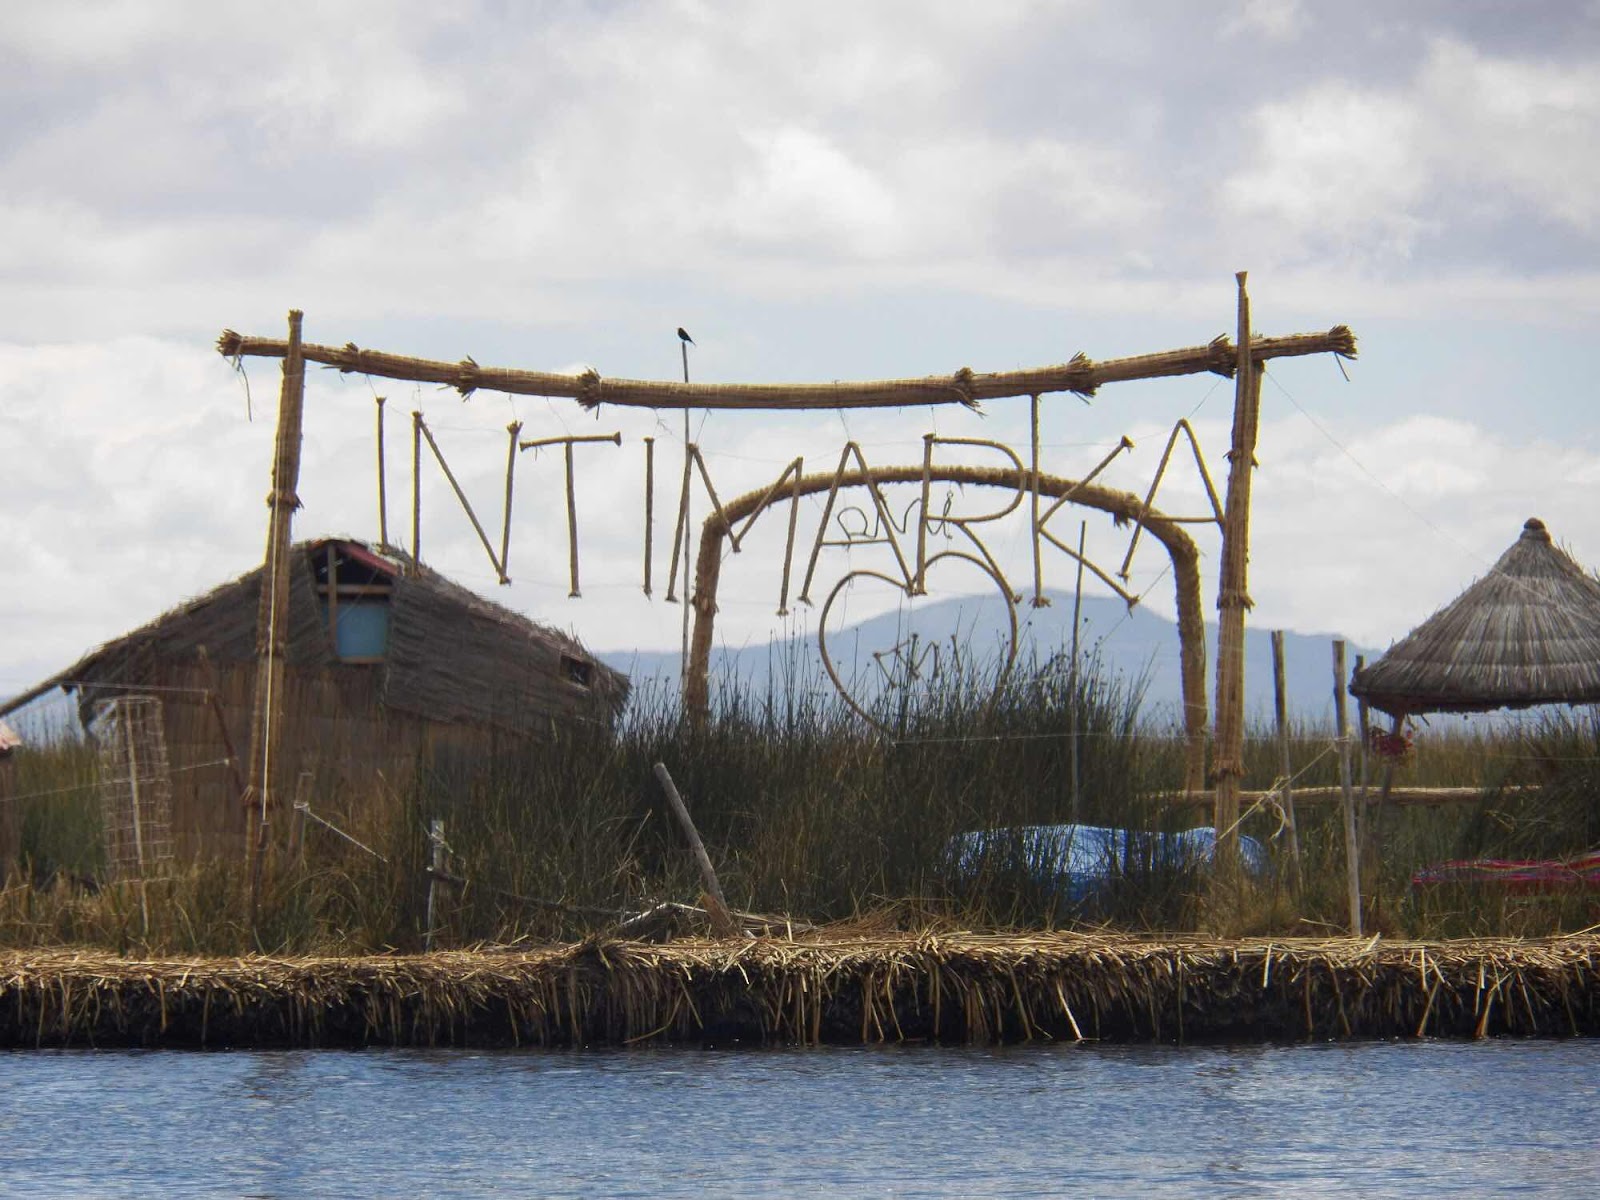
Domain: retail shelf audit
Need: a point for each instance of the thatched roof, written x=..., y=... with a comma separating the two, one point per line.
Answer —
x=451, y=656
x=1527, y=633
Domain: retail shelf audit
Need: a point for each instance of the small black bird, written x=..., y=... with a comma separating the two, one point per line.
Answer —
x=683, y=335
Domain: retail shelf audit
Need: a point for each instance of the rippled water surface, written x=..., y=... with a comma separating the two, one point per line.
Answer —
x=1410, y=1119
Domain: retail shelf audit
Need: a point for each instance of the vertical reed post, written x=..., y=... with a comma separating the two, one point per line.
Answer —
x=696, y=680
x=716, y=905
x=649, y=507
x=505, y=532
x=435, y=870
x=1077, y=619
x=138, y=820
x=383, y=485
x=1376, y=818
x=572, y=528
x=1039, y=600
x=688, y=454
x=272, y=615
x=297, y=819
x=1234, y=598
x=1352, y=847
x=1365, y=824
x=1280, y=705
x=416, y=488
x=1363, y=715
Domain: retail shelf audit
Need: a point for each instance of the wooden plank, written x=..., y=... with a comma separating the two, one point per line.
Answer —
x=359, y=589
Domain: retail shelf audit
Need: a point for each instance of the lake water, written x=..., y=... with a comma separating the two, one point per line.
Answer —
x=1375, y=1119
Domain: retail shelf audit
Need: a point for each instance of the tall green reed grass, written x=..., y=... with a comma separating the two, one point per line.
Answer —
x=807, y=810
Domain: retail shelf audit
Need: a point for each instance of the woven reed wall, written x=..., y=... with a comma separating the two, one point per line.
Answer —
x=332, y=727
x=458, y=669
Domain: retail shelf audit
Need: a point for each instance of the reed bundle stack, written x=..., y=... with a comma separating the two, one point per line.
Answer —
x=958, y=988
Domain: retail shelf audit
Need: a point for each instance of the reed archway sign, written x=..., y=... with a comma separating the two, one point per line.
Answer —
x=1023, y=481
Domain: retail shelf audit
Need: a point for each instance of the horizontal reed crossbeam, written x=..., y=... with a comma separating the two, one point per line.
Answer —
x=1402, y=796
x=1082, y=376
x=948, y=988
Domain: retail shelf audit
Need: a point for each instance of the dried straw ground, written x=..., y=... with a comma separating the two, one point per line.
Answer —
x=820, y=988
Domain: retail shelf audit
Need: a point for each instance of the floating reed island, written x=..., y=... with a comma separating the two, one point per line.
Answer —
x=813, y=989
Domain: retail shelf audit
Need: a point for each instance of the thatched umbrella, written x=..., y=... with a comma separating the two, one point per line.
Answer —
x=1527, y=633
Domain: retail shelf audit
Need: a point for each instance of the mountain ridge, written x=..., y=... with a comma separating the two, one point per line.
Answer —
x=1135, y=644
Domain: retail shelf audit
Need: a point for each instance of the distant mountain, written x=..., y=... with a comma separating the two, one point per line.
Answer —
x=1136, y=644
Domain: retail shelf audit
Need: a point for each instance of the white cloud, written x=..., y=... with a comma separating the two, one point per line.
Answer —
x=1516, y=133
x=1370, y=539
x=999, y=185
x=1275, y=20
x=803, y=191
x=1348, y=172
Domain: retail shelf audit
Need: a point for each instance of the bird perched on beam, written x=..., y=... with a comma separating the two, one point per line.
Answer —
x=683, y=335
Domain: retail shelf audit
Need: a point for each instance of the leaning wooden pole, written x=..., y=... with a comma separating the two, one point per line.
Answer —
x=716, y=904
x=272, y=612
x=1233, y=597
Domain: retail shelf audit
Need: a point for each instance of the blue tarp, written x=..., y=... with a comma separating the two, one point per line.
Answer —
x=1083, y=858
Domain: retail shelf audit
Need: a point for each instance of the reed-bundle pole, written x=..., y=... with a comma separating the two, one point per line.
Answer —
x=1233, y=598
x=1081, y=376
x=272, y=613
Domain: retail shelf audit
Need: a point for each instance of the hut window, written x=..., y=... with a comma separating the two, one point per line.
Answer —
x=355, y=597
x=577, y=670
x=361, y=631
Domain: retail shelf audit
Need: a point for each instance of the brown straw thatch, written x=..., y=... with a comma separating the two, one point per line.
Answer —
x=958, y=987
x=1527, y=633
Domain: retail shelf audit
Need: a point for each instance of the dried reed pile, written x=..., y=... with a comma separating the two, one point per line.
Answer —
x=826, y=987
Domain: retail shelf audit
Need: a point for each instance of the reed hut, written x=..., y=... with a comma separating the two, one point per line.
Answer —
x=1527, y=633
x=389, y=666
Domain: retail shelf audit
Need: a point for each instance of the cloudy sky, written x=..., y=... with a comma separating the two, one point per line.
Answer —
x=817, y=192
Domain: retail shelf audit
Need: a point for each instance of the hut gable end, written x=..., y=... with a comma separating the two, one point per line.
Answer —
x=458, y=658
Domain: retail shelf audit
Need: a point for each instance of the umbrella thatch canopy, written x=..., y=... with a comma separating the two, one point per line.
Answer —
x=1526, y=633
